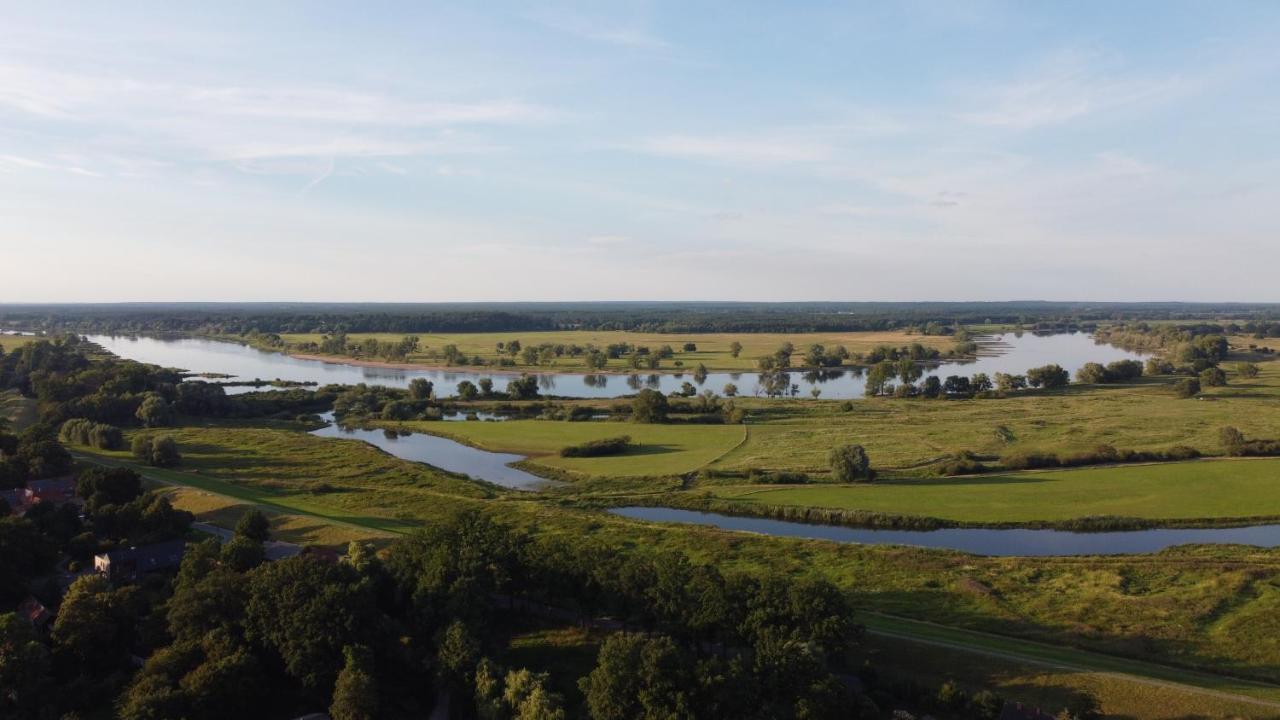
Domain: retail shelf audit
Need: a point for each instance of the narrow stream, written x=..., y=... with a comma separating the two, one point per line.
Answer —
x=1008, y=542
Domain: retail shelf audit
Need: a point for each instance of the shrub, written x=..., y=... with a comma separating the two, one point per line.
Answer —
x=1029, y=460
x=80, y=431
x=1186, y=388
x=598, y=448
x=777, y=478
x=1213, y=377
x=850, y=463
x=160, y=451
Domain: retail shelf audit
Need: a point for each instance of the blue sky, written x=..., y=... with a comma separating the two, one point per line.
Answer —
x=529, y=151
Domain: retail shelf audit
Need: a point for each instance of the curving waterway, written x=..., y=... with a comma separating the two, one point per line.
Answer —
x=1008, y=353
x=442, y=453
x=1003, y=542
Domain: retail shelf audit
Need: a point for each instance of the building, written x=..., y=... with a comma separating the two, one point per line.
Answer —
x=129, y=563
x=55, y=490
x=34, y=612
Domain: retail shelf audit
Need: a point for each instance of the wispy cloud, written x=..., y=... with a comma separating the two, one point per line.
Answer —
x=608, y=31
x=1068, y=86
x=747, y=149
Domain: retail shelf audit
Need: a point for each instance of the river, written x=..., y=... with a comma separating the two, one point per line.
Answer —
x=1008, y=353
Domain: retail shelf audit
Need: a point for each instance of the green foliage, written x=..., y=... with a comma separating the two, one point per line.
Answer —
x=355, y=694
x=1048, y=377
x=154, y=411
x=649, y=406
x=850, y=463
x=81, y=431
x=254, y=525
x=1186, y=388
x=598, y=448
x=307, y=611
x=159, y=451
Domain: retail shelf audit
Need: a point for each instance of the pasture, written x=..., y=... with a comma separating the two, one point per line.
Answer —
x=658, y=449
x=1227, y=488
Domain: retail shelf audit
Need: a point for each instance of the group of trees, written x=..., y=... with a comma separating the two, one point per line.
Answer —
x=33, y=454
x=1116, y=372
x=384, y=635
x=882, y=376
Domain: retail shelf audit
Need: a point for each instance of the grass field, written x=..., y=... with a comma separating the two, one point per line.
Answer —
x=17, y=410
x=225, y=512
x=713, y=348
x=12, y=342
x=1052, y=677
x=662, y=449
x=1210, y=607
x=903, y=433
x=1196, y=489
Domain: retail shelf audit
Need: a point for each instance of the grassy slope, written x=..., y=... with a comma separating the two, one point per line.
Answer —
x=662, y=449
x=224, y=511
x=1197, y=489
x=713, y=348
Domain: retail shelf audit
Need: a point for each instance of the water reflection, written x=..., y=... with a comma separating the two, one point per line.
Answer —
x=245, y=364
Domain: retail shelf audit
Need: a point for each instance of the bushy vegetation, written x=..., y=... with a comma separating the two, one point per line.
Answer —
x=80, y=431
x=598, y=448
x=1102, y=454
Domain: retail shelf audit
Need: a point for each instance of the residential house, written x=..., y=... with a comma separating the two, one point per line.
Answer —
x=129, y=563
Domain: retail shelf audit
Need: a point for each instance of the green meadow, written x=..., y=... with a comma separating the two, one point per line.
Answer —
x=1227, y=488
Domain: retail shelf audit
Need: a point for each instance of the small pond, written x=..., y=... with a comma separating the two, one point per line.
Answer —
x=979, y=541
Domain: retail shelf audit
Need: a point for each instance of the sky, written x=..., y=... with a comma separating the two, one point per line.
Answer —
x=419, y=151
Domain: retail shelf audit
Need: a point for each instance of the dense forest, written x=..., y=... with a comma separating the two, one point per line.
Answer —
x=265, y=318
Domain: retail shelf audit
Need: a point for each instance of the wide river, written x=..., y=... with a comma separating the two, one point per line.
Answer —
x=1008, y=353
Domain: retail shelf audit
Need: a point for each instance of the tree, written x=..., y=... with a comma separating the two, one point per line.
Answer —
x=1247, y=370
x=730, y=390
x=355, y=694
x=457, y=654
x=523, y=388
x=420, y=389
x=154, y=411
x=94, y=625
x=24, y=554
x=1091, y=374
x=99, y=486
x=649, y=406
x=1232, y=440
x=1186, y=388
x=467, y=390
x=1213, y=377
x=735, y=348
x=1048, y=376
x=486, y=386
x=596, y=360
x=850, y=463
x=932, y=387
x=307, y=611
x=243, y=554
x=24, y=669
x=690, y=347
x=254, y=525
x=981, y=383
x=1010, y=383
x=638, y=677
x=164, y=452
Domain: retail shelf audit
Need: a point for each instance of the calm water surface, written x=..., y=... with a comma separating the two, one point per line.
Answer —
x=979, y=541
x=442, y=453
x=1012, y=354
